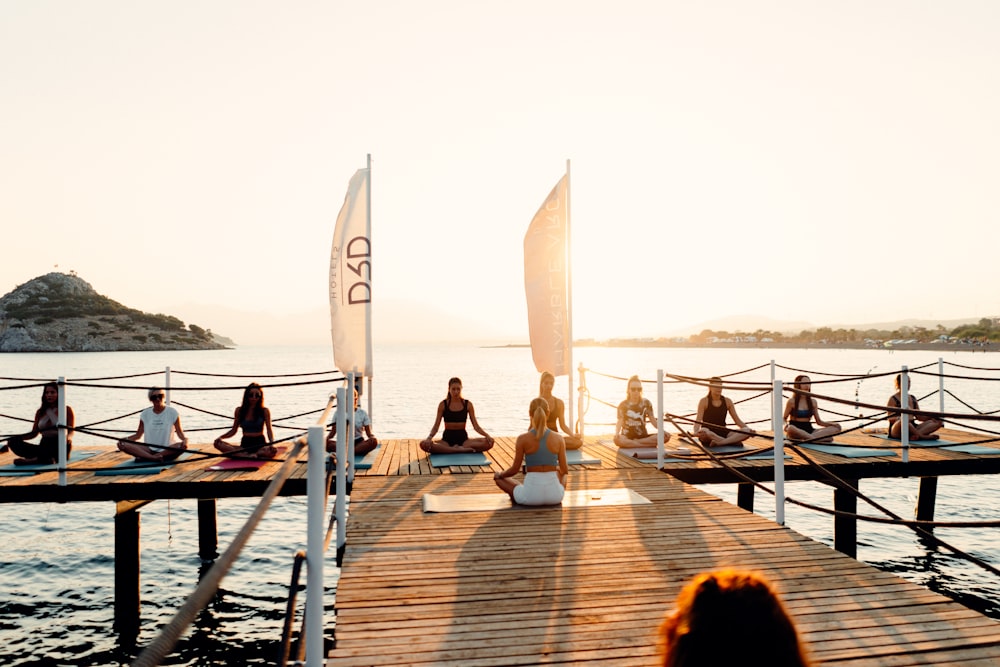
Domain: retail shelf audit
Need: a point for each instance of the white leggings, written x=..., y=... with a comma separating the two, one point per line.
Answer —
x=539, y=488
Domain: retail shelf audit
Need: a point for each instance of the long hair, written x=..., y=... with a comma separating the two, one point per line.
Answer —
x=730, y=617
x=709, y=394
x=797, y=392
x=545, y=376
x=539, y=411
x=634, y=378
x=458, y=381
x=45, y=387
x=258, y=409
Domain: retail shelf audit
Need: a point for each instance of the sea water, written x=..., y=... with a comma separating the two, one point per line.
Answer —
x=57, y=561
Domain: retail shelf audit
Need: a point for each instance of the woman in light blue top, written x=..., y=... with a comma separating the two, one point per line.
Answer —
x=543, y=453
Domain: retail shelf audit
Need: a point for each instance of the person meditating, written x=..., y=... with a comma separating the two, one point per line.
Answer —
x=364, y=441
x=921, y=426
x=557, y=411
x=253, y=418
x=543, y=452
x=455, y=411
x=155, y=425
x=46, y=424
x=711, y=420
x=801, y=411
x=633, y=413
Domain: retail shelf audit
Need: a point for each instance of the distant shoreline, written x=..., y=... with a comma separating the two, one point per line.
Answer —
x=920, y=347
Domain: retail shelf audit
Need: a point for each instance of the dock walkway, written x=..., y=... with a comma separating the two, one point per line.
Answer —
x=590, y=584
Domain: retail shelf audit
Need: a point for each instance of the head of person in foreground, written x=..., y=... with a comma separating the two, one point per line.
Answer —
x=730, y=617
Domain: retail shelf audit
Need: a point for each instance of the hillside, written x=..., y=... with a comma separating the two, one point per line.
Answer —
x=62, y=313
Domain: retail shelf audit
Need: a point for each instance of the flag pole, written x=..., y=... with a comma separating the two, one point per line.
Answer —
x=569, y=305
x=368, y=311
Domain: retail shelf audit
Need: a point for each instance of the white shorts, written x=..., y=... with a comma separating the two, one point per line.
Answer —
x=539, y=488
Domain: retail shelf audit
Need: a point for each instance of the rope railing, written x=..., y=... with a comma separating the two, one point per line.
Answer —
x=971, y=368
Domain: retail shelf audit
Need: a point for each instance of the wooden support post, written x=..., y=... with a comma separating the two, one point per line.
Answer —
x=744, y=496
x=845, y=528
x=208, y=533
x=926, y=499
x=127, y=606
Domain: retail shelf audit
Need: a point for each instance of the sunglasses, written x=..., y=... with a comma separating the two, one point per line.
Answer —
x=156, y=397
x=254, y=394
x=635, y=388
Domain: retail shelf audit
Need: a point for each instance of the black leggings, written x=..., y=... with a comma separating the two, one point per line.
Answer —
x=46, y=451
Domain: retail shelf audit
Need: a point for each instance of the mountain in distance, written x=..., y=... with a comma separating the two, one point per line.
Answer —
x=60, y=312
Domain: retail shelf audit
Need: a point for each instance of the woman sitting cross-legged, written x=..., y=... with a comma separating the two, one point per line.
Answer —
x=454, y=411
x=921, y=427
x=711, y=420
x=633, y=413
x=801, y=412
x=543, y=452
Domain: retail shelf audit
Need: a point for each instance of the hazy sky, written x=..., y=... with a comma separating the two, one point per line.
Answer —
x=833, y=162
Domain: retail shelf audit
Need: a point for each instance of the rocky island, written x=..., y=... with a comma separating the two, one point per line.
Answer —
x=61, y=312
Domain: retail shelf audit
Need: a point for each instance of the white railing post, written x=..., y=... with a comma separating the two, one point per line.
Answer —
x=581, y=390
x=316, y=477
x=772, y=371
x=62, y=434
x=166, y=385
x=659, y=418
x=904, y=424
x=341, y=479
x=349, y=432
x=777, y=424
x=941, y=384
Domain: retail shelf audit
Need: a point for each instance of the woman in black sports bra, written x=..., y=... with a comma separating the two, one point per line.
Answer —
x=454, y=411
x=922, y=429
x=711, y=420
x=801, y=412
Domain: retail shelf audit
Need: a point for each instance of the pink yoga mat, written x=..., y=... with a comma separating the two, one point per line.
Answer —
x=243, y=464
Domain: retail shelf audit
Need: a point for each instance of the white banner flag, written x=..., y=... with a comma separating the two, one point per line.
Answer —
x=351, y=281
x=545, y=278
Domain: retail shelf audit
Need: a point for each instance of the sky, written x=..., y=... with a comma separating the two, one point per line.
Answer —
x=821, y=162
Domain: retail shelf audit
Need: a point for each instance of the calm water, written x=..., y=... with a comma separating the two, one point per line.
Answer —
x=57, y=565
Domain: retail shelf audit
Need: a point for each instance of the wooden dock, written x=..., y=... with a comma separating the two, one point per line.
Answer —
x=569, y=585
x=530, y=586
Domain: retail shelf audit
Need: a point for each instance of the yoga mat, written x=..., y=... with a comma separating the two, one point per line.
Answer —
x=462, y=459
x=850, y=452
x=12, y=470
x=979, y=450
x=915, y=443
x=577, y=457
x=367, y=461
x=489, y=502
x=238, y=463
x=133, y=467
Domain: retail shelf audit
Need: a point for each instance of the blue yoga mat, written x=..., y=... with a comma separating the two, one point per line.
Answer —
x=133, y=467
x=849, y=452
x=463, y=459
x=12, y=470
x=577, y=457
x=367, y=461
x=978, y=450
x=915, y=443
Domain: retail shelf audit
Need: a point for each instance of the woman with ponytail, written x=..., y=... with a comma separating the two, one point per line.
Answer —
x=543, y=453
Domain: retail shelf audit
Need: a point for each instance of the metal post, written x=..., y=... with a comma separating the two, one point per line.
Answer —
x=940, y=384
x=349, y=432
x=659, y=418
x=777, y=423
x=314, y=546
x=61, y=411
x=904, y=424
x=166, y=385
x=579, y=398
x=772, y=371
x=341, y=504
